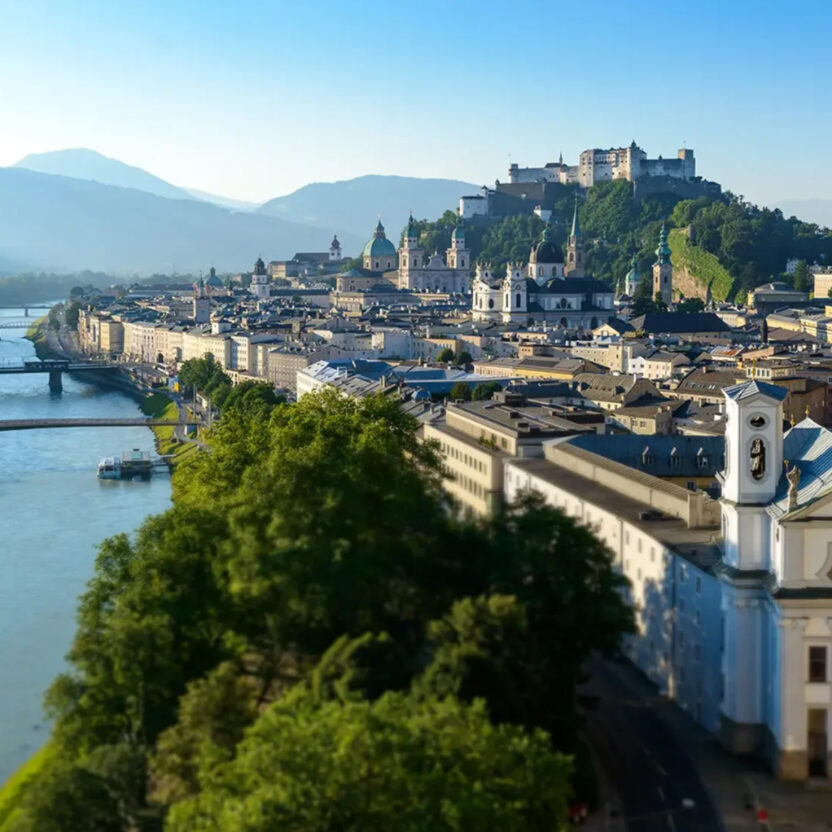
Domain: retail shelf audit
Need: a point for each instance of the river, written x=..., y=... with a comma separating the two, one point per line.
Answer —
x=53, y=513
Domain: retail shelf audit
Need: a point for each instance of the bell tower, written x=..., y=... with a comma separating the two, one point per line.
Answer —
x=574, y=248
x=753, y=467
x=458, y=256
x=663, y=270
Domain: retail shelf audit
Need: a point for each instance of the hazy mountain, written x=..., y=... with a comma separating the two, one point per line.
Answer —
x=222, y=201
x=354, y=205
x=60, y=223
x=809, y=210
x=81, y=163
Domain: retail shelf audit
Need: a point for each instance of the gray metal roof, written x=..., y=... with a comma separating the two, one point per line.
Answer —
x=808, y=446
x=752, y=388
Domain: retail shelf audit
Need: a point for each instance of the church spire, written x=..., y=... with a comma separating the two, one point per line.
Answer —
x=663, y=251
x=574, y=249
x=576, y=228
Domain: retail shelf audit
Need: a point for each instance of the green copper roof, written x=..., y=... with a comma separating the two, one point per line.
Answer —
x=458, y=233
x=663, y=251
x=379, y=245
x=633, y=273
x=412, y=230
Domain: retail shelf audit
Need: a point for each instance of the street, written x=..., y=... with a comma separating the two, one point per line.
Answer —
x=658, y=787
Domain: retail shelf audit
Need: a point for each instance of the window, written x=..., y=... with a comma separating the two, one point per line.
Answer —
x=817, y=664
x=698, y=585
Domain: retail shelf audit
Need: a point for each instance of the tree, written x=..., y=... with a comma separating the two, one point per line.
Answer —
x=72, y=314
x=400, y=762
x=690, y=305
x=77, y=291
x=643, y=302
x=465, y=358
x=484, y=391
x=562, y=576
x=802, y=277
x=446, y=356
x=460, y=390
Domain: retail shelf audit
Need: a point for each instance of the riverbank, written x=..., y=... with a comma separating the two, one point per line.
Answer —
x=159, y=405
x=11, y=791
x=37, y=334
x=151, y=400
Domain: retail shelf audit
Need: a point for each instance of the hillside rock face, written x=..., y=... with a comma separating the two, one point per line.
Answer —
x=688, y=284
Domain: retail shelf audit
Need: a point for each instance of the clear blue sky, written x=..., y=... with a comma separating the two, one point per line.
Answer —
x=253, y=99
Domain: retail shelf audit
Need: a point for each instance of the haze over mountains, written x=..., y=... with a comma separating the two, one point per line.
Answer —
x=355, y=204
x=76, y=209
x=56, y=223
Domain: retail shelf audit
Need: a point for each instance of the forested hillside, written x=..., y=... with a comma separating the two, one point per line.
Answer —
x=750, y=244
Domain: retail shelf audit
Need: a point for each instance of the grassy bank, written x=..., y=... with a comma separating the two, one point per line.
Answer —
x=161, y=406
x=12, y=789
x=36, y=333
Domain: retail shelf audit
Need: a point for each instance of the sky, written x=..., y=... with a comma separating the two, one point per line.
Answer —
x=252, y=100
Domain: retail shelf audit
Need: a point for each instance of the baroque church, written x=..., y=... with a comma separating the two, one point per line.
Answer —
x=410, y=267
x=549, y=289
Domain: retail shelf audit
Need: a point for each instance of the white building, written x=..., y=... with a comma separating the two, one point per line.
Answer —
x=540, y=292
x=260, y=280
x=734, y=596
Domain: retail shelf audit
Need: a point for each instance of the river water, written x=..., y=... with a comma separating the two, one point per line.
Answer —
x=53, y=513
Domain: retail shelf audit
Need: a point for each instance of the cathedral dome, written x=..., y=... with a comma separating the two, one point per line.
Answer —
x=379, y=245
x=546, y=251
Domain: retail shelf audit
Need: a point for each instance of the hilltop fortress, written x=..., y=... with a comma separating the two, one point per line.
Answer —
x=532, y=189
x=597, y=165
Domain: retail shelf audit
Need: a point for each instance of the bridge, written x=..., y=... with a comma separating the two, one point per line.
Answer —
x=38, y=424
x=25, y=308
x=56, y=368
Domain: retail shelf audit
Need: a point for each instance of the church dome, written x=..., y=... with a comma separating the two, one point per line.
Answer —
x=379, y=245
x=546, y=251
x=458, y=235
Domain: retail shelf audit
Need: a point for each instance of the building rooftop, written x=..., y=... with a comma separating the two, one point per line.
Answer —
x=697, y=545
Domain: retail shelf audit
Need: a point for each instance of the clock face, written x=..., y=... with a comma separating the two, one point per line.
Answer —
x=758, y=421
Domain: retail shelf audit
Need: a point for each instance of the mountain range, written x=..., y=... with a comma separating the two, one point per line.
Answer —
x=76, y=209
x=57, y=223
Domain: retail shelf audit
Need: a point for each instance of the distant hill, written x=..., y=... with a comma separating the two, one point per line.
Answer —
x=65, y=224
x=222, y=201
x=818, y=211
x=354, y=205
x=81, y=163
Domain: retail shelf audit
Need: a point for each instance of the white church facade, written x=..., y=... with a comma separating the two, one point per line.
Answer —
x=733, y=596
x=550, y=288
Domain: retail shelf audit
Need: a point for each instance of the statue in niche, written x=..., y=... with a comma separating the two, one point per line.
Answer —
x=758, y=459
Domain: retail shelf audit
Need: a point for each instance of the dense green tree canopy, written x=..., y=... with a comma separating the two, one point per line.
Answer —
x=397, y=763
x=317, y=535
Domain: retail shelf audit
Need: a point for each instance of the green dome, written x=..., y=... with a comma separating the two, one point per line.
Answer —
x=411, y=230
x=379, y=245
x=458, y=233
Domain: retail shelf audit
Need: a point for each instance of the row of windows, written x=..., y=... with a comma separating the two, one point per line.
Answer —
x=467, y=459
x=470, y=485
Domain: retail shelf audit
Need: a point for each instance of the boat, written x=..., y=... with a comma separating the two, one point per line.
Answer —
x=130, y=464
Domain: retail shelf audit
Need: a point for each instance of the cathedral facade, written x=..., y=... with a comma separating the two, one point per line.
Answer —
x=419, y=272
x=545, y=290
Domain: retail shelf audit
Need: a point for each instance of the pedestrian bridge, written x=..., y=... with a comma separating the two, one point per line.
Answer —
x=36, y=424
